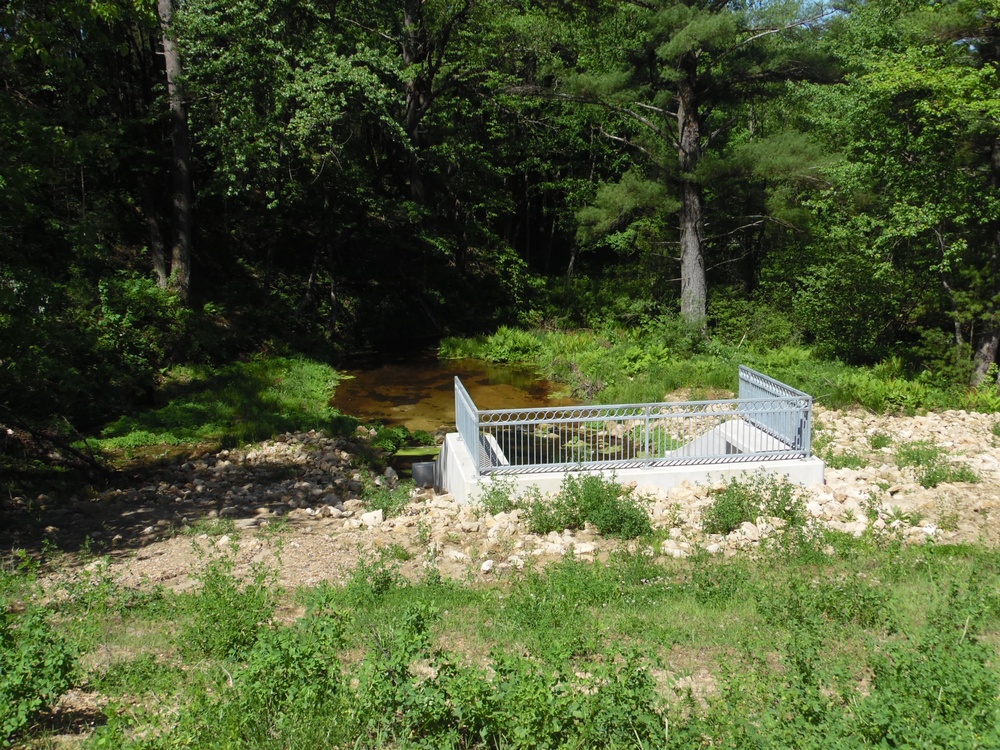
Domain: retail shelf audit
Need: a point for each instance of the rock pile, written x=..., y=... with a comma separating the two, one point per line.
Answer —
x=300, y=501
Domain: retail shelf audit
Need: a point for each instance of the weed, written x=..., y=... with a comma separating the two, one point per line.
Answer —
x=36, y=666
x=844, y=460
x=274, y=529
x=143, y=674
x=212, y=527
x=423, y=532
x=373, y=577
x=226, y=614
x=378, y=495
x=399, y=553
x=920, y=454
x=744, y=499
x=614, y=509
x=879, y=440
x=717, y=583
x=871, y=506
x=948, y=515
x=906, y=518
x=823, y=447
x=498, y=496
x=931, y=464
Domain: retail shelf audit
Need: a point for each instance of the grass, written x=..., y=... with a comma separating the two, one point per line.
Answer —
x=232, y=405
x=823, y=650
x=646, y=362
x=931, y=465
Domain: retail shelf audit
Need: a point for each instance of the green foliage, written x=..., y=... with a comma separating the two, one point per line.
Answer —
x=390, y=439
x=289, y=681
x=941, y=673
x=879, y=440
x=37, y=665
x=822, y=446
x=846, y=600
x=235, y=404
x=613, y=508
x=138, y=676
x=644, y=363
x=759, y=324
x=497, y=496
x=849, y=306
x=226, y=615
x=745, y=499
x=510, y=345
x=932, y=464
x=840, y=650
x=377, y=494
x=717, y=584
x=373, y=578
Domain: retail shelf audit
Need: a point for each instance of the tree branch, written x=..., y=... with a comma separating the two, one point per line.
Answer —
x=760, y=33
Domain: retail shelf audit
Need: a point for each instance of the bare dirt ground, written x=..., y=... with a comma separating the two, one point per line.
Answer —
x=294, y=504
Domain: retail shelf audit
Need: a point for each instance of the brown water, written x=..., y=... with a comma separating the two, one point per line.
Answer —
x=420, y=393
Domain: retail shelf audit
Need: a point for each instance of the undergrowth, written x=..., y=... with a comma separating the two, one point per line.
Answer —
x=931, y=465
x=232, y=405
x=659, y=356
x=840, y=642
x=744, y=499
x=615, y=510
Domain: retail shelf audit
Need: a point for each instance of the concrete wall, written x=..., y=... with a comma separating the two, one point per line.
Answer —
x=456, y=473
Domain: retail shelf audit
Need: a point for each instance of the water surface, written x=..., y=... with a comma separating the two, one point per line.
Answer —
x=419, y=392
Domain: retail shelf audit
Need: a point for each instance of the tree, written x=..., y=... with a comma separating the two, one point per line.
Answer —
x=687, y=65
x=918, y=122
x=182, y=199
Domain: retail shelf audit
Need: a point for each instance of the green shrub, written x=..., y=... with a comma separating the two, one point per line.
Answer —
x=390, y=500
x=143, y=674
x=941, y=673
x=373, y=578
x=36, y=667
x=846, y=600
x=717, y=583
x=497, y=496
x=291, y=676
x=743, y=500
x=511, y=345
x=227, y=614
x=879, y=440
x=615, y=510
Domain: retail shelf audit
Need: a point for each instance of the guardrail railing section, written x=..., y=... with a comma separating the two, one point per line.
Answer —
x=769, y=420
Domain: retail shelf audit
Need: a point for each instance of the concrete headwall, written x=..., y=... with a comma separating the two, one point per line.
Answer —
x=456, y=473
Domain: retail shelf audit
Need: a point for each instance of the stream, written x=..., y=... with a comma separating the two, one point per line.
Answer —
x=418, y=391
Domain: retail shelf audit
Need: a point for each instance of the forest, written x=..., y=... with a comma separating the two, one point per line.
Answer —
x=207, y=207
x=197, y=181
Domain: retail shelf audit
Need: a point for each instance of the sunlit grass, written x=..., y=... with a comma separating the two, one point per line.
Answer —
x=232, y=405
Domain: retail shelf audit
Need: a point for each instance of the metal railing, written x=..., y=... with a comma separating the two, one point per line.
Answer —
x=769, y=421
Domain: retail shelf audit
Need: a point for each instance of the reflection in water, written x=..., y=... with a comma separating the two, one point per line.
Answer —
x=419, y=392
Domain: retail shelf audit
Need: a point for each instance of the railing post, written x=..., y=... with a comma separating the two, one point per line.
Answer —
x=647, y=462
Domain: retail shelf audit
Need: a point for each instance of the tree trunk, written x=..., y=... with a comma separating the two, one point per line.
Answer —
x=419, y=92
x=694, y=291
x=182, y=199
x=157, y=247
x=986, y=354
x=989, y=342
